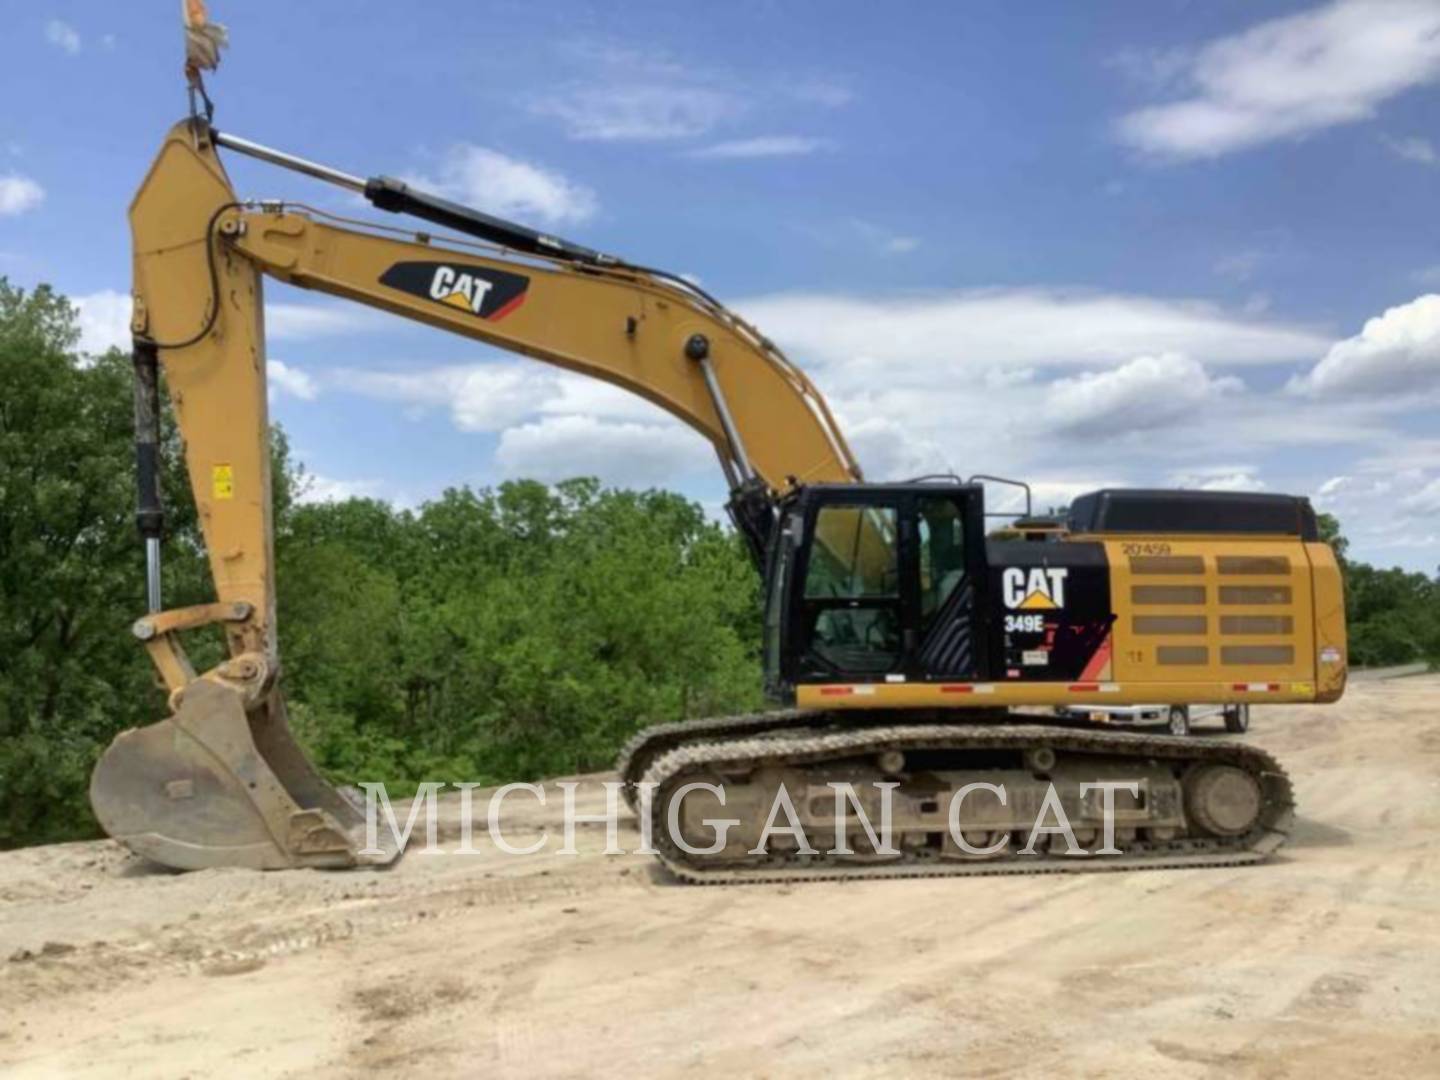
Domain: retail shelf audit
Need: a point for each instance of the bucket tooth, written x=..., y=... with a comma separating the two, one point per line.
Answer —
x=213, y=785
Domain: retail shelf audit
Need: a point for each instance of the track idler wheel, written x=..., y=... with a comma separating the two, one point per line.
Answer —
x=1223, y=800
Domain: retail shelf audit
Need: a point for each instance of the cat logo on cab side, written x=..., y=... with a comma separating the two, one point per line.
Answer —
x=1039, y=588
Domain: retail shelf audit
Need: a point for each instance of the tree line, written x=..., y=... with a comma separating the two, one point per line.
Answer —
x=492, y=635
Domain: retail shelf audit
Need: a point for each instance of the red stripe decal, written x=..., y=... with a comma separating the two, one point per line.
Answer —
x=1096, y=667
x=1085, y=687
x=836, y=691
x=507, y=309
x=962, y=689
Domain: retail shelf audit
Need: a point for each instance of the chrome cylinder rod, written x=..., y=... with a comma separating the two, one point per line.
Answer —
x=152, y=575
x=288, y=161
x=697, y=349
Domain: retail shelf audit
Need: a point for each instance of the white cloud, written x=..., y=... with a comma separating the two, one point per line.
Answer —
x=479, y=397
x=63, y=36
x=494, y=396
x=104, y=320
x=640, y=112
x=19, y=194
x=508, y=187
x=977, y=382
x=1413, y=148
x=551, y=424
x=305, y=322
x=763, y=146
x=1396, y=353
x=1389, y=506
x=627, y=454
x=1143, y=394
x=984, y=330
x=1425, y=501
x=1291, y=76
x=1407, y=455
x=888, y=447
x=638, y=94
x=291, y=380
x=317, y=488
x=1220, y=478
x=621, y=93
x=491, y=397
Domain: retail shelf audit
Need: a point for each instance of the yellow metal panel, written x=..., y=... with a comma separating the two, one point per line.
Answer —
x=1240, y=577
x=1329, y=607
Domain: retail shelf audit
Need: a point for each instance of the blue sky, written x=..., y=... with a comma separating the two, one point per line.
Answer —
x=1158, y=242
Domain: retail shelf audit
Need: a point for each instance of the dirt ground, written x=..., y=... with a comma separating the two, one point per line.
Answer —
x=1325, y=961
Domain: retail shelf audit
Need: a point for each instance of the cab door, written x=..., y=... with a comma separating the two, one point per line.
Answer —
x=948, y=578
x=852, y=601
x=890, y=585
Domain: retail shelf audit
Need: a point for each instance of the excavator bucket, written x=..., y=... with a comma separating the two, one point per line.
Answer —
x=215, y=785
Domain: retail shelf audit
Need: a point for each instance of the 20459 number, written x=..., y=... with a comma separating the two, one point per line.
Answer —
x=1145, y=549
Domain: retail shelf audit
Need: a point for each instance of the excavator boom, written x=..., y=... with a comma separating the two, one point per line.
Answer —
x=222, y=782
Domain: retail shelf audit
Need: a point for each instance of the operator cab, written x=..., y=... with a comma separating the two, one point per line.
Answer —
x=880, y=583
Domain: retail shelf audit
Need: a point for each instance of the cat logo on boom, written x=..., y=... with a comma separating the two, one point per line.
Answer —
x=1041, y=588
x=475, y=290
x=459, y=289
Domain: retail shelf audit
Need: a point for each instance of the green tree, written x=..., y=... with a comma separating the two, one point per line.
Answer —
x=1392, y=616
x=71, y=570
x=510, y=633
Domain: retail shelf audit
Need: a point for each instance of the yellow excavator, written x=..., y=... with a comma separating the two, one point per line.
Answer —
x=904, y=644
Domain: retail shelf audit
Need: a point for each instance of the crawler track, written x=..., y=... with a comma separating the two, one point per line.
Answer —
x=800, y=739
x=651, y=743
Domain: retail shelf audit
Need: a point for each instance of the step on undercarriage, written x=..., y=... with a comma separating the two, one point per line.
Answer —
x=1173, y=802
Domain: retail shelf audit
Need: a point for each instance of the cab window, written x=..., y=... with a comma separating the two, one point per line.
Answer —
x=941, y=529
x=854, y=554
x=852, y=590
